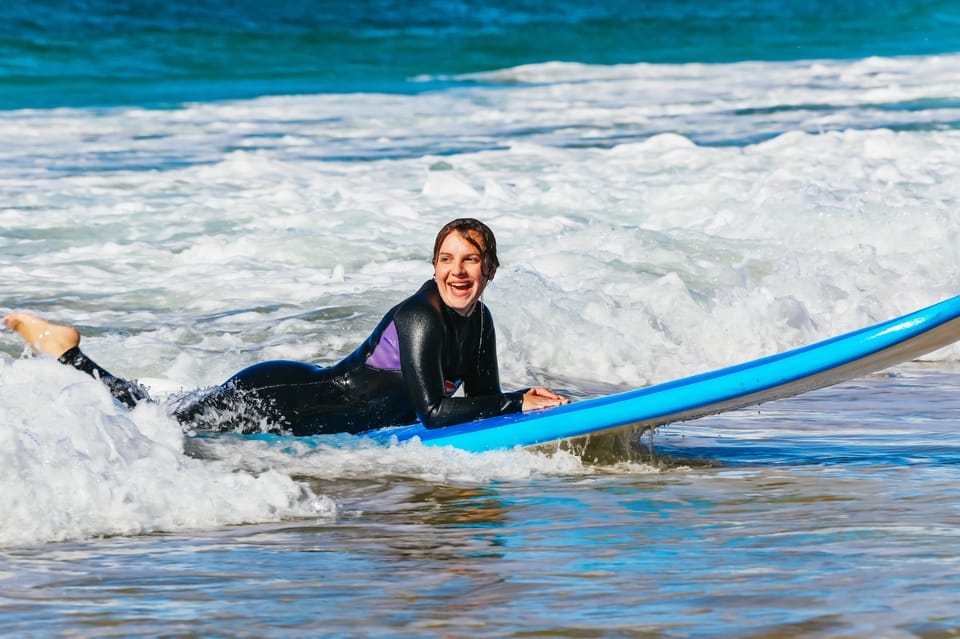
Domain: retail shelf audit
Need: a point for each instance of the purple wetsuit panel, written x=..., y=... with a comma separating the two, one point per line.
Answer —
x=386, y=356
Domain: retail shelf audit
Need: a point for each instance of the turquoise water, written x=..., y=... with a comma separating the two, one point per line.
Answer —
x=107, y=52
x=675, y=187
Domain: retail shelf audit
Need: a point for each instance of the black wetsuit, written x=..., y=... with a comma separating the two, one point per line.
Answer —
x=408, y=368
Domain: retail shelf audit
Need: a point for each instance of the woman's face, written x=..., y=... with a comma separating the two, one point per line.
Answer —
x=459, y=274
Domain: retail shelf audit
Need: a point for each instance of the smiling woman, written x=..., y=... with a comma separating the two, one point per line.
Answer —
x=424, y=349
x=464, y=260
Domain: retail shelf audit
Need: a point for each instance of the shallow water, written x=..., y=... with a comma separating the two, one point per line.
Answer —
x=831, y=514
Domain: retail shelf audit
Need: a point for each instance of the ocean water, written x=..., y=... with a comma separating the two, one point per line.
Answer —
x=675, y=186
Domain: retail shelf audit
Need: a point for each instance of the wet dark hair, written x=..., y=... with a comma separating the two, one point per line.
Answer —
x=467, y=227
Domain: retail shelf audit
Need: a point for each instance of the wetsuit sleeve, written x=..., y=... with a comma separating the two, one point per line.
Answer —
x=420, y=335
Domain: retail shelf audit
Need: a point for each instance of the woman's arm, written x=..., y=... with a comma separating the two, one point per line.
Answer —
x=421, y=336
x=485, y=378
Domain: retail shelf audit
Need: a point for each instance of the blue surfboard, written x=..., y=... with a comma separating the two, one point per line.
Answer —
x=789, y=373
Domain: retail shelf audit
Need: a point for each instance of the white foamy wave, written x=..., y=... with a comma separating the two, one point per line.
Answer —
x=74, y=465
x=733, y=102
x=715, y=255
x=633, y=264
x=350, y=457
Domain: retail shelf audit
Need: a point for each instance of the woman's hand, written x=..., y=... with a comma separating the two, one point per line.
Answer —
x=540, y=397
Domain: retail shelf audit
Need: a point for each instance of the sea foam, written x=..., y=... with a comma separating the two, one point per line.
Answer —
x=75, y=464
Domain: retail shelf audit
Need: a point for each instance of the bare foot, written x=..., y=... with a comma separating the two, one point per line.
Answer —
x=43, y=336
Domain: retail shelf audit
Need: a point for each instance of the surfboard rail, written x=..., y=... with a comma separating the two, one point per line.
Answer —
x=837, y=359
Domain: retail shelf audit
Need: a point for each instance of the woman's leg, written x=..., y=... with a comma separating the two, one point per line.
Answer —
x=303, y=398
x=279, y=395
x=63, y=342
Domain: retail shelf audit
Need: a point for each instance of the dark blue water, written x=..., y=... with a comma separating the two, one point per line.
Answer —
x=109, y=52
